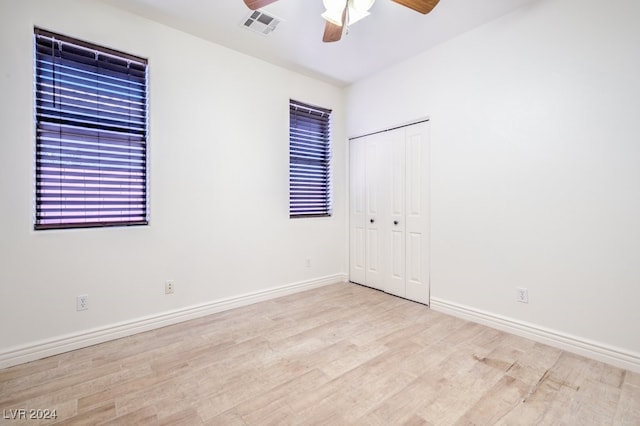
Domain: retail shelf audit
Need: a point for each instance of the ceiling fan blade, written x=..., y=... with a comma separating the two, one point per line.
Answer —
x=333, y=32
x=257, y=4
x=422, y=6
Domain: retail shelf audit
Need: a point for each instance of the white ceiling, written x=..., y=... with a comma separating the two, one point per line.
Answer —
x=391, y=34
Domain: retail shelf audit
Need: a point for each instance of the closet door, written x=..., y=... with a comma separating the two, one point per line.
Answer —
x=375, y=199
x=417, y=212
x=389, y=212
x=369, y=212
x=394, y=252
x=357, y=212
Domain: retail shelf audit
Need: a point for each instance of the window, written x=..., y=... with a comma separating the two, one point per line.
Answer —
x=309, y=160
x=91, y=135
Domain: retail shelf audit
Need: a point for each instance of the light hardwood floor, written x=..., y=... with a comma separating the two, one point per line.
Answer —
x=334, y=355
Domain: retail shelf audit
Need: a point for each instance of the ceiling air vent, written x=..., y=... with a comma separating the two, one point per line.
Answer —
x=260, y=22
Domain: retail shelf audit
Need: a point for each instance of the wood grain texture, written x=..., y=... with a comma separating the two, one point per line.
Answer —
x=332, y=32
x=338, y=354
x=257, y=4
x=422, y=6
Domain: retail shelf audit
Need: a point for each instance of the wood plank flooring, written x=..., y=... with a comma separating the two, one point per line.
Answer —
x=340, y=354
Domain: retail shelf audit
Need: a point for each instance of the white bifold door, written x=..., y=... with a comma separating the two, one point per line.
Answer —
x=389, y=211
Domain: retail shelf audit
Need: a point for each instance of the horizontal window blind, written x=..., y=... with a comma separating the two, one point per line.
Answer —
x=309, y=160
x=91, y=135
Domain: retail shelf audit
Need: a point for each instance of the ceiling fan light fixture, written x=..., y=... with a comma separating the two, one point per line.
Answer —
x=333, y=16
x=358, y=9
x=334, y=5
x=355, y=15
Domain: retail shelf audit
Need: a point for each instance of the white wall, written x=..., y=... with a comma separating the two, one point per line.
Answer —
x=219, y=183
x=535, y=165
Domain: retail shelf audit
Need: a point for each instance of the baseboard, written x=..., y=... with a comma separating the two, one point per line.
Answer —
x=61, y=344
x=598, y=351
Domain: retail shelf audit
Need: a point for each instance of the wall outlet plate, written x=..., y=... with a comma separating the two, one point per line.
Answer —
x=82, y=302
x=169, y=287
x=522, y=295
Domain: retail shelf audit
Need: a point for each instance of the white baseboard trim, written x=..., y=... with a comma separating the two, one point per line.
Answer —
x=61, y=344
x=591, y=349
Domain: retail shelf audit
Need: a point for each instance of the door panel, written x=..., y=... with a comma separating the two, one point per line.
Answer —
x=358, y=258
x=395, y=279
x=374, y=266
x=417, y=281
x=417, y=172
x=375, y=198
x=414, y=175
x=357, y=213
x=394, y=251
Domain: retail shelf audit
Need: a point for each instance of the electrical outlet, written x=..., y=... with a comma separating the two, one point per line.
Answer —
x=82, y=302
x=168, y=287
x=522, y=295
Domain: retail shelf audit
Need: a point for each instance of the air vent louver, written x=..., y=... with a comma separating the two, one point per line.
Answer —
x=261, y=22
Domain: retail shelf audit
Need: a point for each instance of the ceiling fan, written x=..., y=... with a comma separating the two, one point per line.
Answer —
x=342, y=13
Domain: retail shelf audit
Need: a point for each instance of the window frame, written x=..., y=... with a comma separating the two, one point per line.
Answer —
x=310, y=157
x=99, y=177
